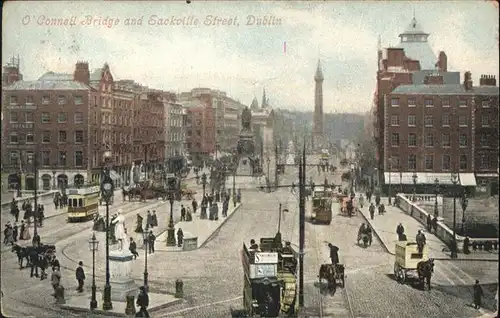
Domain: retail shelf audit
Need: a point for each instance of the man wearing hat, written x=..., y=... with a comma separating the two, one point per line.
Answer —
x=142, y=302
x=80, y=276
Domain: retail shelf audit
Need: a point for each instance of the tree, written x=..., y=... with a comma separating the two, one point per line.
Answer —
x=366, y=152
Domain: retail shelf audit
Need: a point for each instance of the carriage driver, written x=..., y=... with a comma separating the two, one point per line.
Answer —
x=420, y=238
x=334, y=253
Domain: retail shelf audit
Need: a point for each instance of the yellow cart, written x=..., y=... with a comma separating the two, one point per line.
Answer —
x=407, y=258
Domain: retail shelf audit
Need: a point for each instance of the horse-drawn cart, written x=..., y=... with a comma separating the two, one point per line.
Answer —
x=188, y=194
x=410, y=260
x=333, y=274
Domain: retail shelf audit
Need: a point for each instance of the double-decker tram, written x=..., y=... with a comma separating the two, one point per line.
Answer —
x=83, y=203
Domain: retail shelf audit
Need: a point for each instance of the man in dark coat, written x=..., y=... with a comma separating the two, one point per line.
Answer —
x=80, y=276
x=381, y=209
x=138, y=228
x=372, y=210
x=33, y=254
x=55, y=263
x=334, y=253
x=155, y=218
x=16, y=212
x=466, y=245
x=183, y=213
x=151, y=242
x=133, y=248
x=149, y=220
x=142, y=302
x=478, y=293
x=195, y=205
x=429, y=223
x=400, y=230
x=420, y=239
x=435, y=224
x=15, y=232
x=180, y=237
x=225, y=207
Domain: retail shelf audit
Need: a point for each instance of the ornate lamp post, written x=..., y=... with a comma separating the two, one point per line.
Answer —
x=414, y=178
x=464, y=204
x=204, y=182
x=63, y=181
x=400, y=180
x=145, y=235
x=234, y=187
x=93, y=246
x=268, y=163
x=33, y=160
x=107, y=192
x=390, y=168
x=454, y=180
x=54, y=171
x=19, y=177
x=436, y=210
x=171, y=229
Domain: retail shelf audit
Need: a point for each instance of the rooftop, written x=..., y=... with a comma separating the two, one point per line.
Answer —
x=420, y=51
x=448, y=77
x=44, y=85
x=51, y=76
x=414, y=28
x=445, y=89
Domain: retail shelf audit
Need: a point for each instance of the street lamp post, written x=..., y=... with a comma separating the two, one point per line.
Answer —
x=268, y=164
x=33, y=160
x=171, y=229
x=107, y=190
x=54, y=171
x=234, y=187
x=414, y=178
x=464, y=204
x=93, y=246
x=204, y=182
x=145, y=235
x=436, y=210
x=454, y=180
x=390, y=168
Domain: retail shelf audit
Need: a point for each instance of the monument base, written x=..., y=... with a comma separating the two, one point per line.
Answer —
x=121, y=280
x=244, y=167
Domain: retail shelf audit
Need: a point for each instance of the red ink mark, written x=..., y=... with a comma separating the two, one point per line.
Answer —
x=284, y=47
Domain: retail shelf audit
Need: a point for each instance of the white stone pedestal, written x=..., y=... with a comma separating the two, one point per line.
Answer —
x=121, y=280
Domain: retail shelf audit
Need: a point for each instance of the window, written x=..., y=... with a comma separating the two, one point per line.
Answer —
x=13, y=138
x=62, y=158
x=62, y=117
x=394, y=162
x=61, y=100
x=445, y=140
x=429, y=102
x=13, y=117
x=484, y=142
x=412, y=120
x=485, y=120
x=412, y=140
x=445, y=120
x=14, y=158
x=428, y=120
x=13, y=100
x=79, y=136
x=463, y=140
x=446, y=164
x=78, y=100
x=46, y=137
x=463, y=162
x=463, y=102
x=30, y=137
x=29, y=99
x=45, y=118
x=30, y=155
x=485, y=104
x=78, y=158
x=45, y=100
x=485, y=161
x=445, y=102
x=395, y=139
x=462, y=121
x=429, y=162
x=30, y=118
x=45, y=158
x=429, y=139
x=395, y=102
x=394, y=122
x=62, y=136
x=412, y=102
x=78, y=118
x=412, y=162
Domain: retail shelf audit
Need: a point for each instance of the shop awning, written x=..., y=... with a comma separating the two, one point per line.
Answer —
x=466, y=179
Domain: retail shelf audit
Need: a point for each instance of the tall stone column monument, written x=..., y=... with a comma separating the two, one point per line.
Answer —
x=246, y=146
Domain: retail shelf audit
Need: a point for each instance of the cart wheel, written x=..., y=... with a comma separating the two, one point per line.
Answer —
x=402, y=275
x=396, y=271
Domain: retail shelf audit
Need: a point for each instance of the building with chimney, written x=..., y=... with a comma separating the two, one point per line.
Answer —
x=416, y=93
x=174, y=127
x=318, y=117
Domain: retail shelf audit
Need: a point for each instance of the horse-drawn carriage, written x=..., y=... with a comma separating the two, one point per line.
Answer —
x=44, y=252
x=187, y=194
x=346, y=205
x=410, y=260
x=333, y=274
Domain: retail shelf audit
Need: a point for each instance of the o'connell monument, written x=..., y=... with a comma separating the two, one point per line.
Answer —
x=246, y=147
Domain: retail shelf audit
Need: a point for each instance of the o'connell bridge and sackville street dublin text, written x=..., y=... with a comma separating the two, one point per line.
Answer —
x=207, y=159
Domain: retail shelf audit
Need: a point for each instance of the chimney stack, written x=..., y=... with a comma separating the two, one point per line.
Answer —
x=487, y=80
x=82, y=73
x=467, y=81
x=442, y=63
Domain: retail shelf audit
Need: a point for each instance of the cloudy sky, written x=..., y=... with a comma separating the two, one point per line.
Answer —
x=242, y=59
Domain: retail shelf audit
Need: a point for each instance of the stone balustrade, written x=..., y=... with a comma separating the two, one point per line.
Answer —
x=443, y=232
x=6, y=206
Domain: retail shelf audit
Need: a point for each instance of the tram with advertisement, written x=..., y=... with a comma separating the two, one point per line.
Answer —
x=270, y=279
x=83, y=203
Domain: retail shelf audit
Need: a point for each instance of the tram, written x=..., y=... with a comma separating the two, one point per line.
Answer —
x=83, y=203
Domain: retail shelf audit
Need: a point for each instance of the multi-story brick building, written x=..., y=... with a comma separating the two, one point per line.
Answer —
x=174, y=127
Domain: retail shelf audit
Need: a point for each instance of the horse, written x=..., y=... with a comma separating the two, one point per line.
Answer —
x=22, y=253
x=327, y=271
x=425, y=270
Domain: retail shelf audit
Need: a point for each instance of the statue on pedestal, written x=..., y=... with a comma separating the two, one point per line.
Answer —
x=120, y=234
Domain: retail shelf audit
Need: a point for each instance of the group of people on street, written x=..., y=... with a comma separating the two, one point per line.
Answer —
x=149, y=243
x=13, y=233
x=60, y=200
x=151, y=221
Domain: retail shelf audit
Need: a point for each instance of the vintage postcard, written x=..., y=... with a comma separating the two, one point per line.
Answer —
x=250, y=159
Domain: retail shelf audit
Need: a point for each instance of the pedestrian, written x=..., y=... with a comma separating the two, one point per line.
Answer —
x=41, y=215
x=217, y=196
x=138, y=228
x=155, y=218
x=26, y=231
x=195, y=205
x=400, y=230
x=381, y=209
x=377, y=199
x=225, y=207
x=421, y=240
x=15, y=232
x=361, y=201
x=21, y=230
x=478, y=293
x=9, y=239
x=180, y=237
x=133, y=248
x=466, y=245
x=142, y=302
x=55, y=279
x=183, y=213
x=16, y=213
x=151, y=242
x=149, y=220
x=372, y=210
x=435, y=224
x=55, y=263
x=334, y=253
x=33, y=255
x=80, y=276
x=429, y=223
